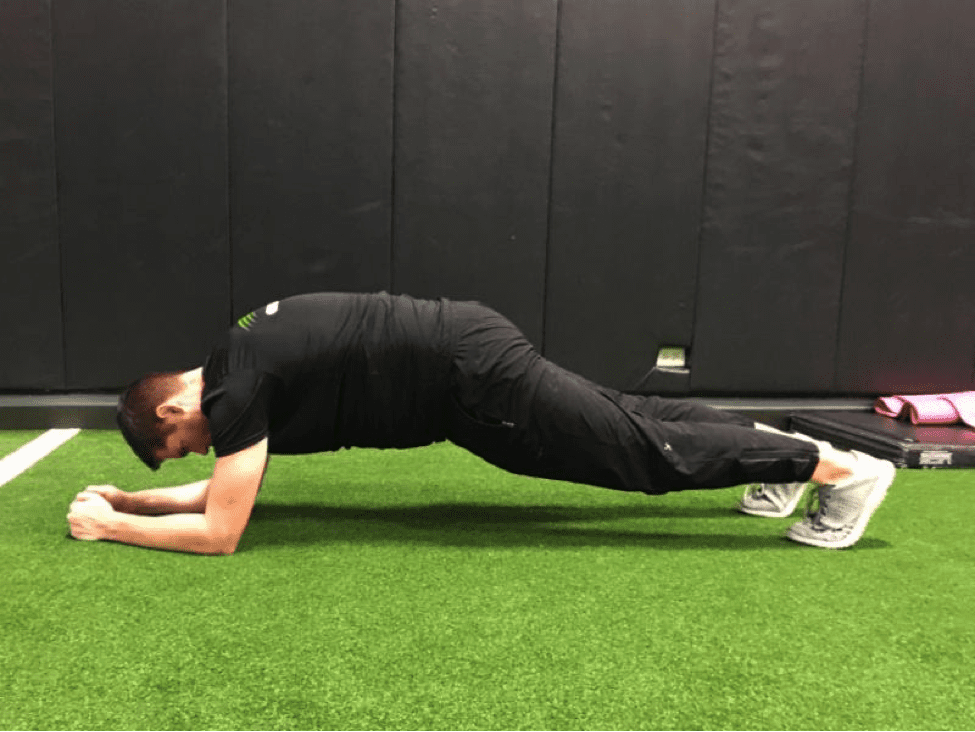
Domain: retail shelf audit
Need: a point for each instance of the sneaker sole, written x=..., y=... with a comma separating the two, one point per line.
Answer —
x=885, y=480
x=787, y=511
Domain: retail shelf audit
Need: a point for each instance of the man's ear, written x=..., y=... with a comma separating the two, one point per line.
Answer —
x=168, y=410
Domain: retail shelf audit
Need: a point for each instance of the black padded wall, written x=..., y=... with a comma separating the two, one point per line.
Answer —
x=779, y=174
x=474, y=83
x=31, y=350
x=908, y=319
x=311, y=96
x=142, y=172
x=631, y=120
x=787, y=188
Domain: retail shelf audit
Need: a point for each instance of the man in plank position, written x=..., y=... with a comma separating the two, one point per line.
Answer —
x=324, y=371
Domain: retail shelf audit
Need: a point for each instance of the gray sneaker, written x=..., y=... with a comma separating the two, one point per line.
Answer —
x=772, y=500
x=845, y=508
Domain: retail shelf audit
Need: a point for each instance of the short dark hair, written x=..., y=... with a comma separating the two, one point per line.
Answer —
x=136, y=414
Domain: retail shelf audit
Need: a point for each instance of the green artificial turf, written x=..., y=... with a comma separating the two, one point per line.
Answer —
x=12, y=440
x=424, y=589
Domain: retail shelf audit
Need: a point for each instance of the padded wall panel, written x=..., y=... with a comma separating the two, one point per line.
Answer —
x=311, y=97
x=142, y=158
x=783, y=123
x=31, y=348
x=631, y=122
x=474, y=81
x=908, y=321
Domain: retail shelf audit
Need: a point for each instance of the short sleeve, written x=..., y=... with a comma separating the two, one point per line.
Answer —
x=238, y=411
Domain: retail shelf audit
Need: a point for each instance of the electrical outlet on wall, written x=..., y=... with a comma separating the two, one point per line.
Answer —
x=672, y=359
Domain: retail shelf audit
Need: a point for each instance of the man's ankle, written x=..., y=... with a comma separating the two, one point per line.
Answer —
x=828, y=473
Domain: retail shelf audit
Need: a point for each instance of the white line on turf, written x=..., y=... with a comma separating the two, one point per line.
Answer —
x=33, y=452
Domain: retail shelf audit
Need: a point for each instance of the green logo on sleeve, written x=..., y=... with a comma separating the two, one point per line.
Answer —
x=248, y=320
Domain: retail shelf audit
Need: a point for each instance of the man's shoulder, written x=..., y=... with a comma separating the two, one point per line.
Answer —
x=237, y=409
x=231, y=388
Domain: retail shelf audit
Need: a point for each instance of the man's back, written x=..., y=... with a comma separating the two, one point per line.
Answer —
x=329, y=370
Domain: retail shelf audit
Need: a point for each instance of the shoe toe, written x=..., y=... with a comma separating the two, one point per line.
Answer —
x=817, y=534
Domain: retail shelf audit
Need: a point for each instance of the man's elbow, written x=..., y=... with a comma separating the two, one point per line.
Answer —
x=224, y=544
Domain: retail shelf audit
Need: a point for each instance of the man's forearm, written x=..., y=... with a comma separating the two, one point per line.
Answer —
x=190, y=498
x=184, y=532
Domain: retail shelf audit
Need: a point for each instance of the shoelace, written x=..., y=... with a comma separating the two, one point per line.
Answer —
x=754, y=490
x=821, y=498
x=759, y=490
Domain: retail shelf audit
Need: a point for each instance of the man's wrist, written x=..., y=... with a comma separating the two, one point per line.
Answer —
x=121, y=501
x=110, y=527
x=129, y=503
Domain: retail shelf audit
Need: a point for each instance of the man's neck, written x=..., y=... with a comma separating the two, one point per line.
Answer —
x=193, y=383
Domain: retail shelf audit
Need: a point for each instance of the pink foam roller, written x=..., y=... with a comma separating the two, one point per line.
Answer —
x=931, y=409
x=964, y=403
x=890, y=406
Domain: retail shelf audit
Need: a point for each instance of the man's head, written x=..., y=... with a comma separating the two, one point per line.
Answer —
x=160, y=417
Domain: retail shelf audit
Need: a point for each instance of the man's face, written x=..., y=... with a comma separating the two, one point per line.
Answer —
x=181, y=413
x=186, y=438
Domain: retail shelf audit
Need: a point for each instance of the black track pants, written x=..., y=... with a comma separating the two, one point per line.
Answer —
x=524, y=414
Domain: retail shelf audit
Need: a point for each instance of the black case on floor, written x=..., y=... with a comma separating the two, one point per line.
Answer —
x=904, y=444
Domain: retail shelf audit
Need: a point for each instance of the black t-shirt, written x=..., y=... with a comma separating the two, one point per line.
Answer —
x=324, y=371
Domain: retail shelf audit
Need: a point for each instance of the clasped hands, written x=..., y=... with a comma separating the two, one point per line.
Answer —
x=91, y=514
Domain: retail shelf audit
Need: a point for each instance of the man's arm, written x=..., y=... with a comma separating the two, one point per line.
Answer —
x=229, y=499
x=190, y=498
